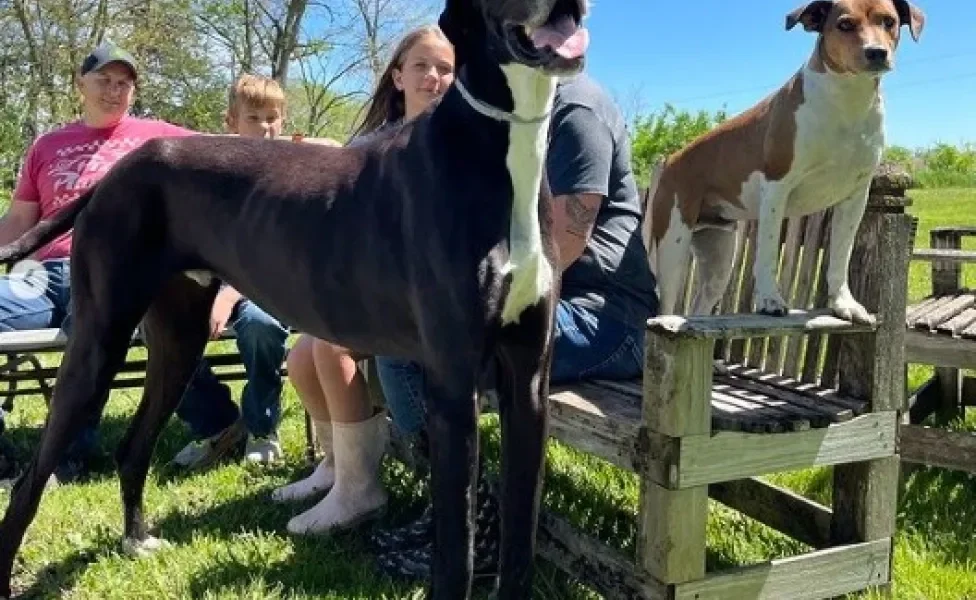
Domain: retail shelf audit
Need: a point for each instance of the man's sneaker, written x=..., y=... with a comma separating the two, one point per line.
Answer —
x=201, y=454
x=263, y=449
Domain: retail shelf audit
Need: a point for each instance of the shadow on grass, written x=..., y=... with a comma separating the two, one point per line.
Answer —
x=55, y=578
x=939, y=504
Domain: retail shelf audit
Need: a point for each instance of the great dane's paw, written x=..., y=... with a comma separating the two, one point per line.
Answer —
x=772, y=305
x=844, y=306
x=143, y=548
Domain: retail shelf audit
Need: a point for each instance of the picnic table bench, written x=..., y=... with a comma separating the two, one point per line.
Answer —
x=24, y=373
x=806, y=390
x=941, y=331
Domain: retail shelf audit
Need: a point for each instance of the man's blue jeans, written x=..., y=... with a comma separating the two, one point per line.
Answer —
x=586, y=346
x=39, y=300
x=207, y=407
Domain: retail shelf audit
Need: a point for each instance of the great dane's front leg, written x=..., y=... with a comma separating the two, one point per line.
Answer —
x=525, y=355
x=844, y=223
x=452, y=426
x=772, y=207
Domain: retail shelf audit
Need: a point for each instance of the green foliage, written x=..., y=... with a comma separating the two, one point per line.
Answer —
x=658, y=134
x=941, y=166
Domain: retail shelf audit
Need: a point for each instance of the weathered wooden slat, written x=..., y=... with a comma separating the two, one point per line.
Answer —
x=969, y=391
x=936, y=305
x=726, y=456
x=813, y=237
x=746, y=326
x=587, y=559
x=934, y=349
x=939, y=447
x=969, y=333
x=831, y=362
x=958, y=323
x=816, y=413
x=731, y=297
x=792, y=248
x=687, y=284
x=838, y=404
x=597, y=421
x=822, y=574
x=633, y=388
x=960, y=230
x=779, y=508
x=934, y=254
x=788, y=417
x=725, y=417
x=810, y=371
x=917, y=309
x=753, y=417
x=738, y=347
x=934, y=318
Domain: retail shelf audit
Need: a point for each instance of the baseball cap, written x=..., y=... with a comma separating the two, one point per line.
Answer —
x=106, y=53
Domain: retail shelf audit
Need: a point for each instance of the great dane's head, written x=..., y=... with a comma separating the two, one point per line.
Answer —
x=540, y=34
x=858, y=36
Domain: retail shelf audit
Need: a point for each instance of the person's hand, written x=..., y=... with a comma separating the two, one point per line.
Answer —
x=223, y=306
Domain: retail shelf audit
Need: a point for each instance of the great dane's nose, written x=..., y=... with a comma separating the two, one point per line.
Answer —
x=876, y=55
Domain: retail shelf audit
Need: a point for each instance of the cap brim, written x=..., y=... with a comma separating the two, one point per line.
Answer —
x=121, y=61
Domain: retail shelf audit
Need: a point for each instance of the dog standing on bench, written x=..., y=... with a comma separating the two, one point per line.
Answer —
x=430, y=244
x=815, y=143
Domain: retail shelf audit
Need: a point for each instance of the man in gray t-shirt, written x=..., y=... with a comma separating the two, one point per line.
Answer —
x=606, y=298
x=607, y=289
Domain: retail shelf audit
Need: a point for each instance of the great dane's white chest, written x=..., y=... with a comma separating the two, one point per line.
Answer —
x=835, y=156
x=532, y=274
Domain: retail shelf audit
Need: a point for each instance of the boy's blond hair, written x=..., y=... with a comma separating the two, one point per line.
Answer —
x=256, y=91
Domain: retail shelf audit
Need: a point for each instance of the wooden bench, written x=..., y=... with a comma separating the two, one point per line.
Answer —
x=803, y=391
x=941, y=331
x=24, y=373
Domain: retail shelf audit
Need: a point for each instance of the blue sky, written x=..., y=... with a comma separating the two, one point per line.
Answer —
x=710, y=54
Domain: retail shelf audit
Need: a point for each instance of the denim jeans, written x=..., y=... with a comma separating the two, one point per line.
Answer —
x=207, y=407
x=40, y=300
x=586, y=346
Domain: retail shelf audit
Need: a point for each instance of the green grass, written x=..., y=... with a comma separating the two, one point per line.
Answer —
x=229, y=540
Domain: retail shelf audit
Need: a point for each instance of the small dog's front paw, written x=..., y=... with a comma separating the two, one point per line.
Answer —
x=771, y=304
x=844, y=306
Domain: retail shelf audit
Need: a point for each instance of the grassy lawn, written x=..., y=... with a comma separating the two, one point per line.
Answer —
x=229, y=540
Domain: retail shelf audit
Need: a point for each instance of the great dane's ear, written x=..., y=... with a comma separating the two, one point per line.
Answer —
x=911, y=15
x=455, y=22
x=813, y=16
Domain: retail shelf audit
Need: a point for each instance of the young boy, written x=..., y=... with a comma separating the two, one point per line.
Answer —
x=255, y=108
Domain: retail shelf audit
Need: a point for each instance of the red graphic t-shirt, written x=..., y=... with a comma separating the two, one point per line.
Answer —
x=62, y=164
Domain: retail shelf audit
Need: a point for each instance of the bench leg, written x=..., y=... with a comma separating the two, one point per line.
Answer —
x=950, y=394
x=671, y=536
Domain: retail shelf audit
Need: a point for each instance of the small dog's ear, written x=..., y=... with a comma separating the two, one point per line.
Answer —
x=911, y=15
x=813, y=16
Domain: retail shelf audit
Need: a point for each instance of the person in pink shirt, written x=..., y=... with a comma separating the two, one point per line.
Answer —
x=58, y=167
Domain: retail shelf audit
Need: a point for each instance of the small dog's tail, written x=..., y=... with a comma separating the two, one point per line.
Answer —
x=45, y=231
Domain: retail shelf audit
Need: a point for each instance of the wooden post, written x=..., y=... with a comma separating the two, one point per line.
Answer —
x=677, y=403
x=947, y=280
x=871, y=367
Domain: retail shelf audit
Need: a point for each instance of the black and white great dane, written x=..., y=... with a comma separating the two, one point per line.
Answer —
x=431, y=244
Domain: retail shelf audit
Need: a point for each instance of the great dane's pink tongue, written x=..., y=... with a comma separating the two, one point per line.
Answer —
x=564, y=37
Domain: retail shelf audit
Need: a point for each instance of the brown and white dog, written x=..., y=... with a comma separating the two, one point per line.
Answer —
x=813, y=144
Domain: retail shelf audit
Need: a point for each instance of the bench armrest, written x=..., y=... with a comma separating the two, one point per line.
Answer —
x=752, y=325
x=934, y=254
